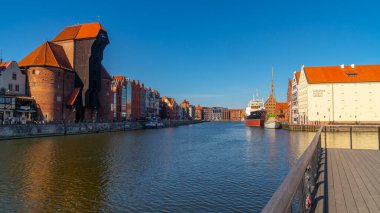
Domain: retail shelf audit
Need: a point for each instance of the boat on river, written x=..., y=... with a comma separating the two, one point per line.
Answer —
x=272, y=123
x=255, y=112
x=154, y=123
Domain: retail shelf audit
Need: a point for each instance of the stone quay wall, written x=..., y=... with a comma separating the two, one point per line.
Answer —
x=32, y=130
x=42, y=130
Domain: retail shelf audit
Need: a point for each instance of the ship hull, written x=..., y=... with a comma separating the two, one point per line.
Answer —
x=254, y=122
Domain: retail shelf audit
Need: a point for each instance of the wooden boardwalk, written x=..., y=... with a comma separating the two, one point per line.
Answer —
x=348, y=181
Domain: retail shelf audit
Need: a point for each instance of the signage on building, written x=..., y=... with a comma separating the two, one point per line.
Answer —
x=318, y=93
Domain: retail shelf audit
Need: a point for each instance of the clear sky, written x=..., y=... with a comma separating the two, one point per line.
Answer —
x=212, y=52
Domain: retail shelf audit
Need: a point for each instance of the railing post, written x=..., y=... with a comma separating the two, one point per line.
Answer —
x=350, y=137
x=325, y=138
x=378, y=135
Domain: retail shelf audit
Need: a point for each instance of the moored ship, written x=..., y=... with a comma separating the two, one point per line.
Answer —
x=255, y=113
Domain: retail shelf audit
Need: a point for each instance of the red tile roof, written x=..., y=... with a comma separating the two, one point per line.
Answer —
x=47, y=54
x=337, y=74
x=82, y=31
x=5, y=65
x=73, y=96
x=298, y=77
x=281, y=105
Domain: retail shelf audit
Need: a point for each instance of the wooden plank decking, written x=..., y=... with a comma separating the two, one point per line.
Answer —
x=348, y=181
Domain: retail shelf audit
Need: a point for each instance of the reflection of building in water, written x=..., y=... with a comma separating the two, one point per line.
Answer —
x=339, y=94
x=66, y=176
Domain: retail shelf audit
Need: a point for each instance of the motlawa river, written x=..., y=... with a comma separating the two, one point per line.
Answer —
x=207, y=167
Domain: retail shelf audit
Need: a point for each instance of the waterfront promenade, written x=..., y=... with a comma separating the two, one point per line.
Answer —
x=348, y=181
x=339, y=172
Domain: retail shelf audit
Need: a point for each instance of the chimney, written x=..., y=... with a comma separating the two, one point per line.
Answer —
x=352, y=66
x=342, y=66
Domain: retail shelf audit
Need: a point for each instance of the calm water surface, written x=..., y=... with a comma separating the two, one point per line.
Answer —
x=208, y=167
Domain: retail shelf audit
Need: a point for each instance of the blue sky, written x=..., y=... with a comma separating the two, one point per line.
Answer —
x=212, y=52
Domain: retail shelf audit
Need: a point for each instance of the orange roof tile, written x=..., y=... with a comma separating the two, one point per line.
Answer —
x=337, y=74
x=73, y=96
x=281, y=105
x=5, y=65
x=47, y=54
x=82, y=31
x=297, y=74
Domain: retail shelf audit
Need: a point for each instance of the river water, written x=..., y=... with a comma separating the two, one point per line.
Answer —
x=208, y=167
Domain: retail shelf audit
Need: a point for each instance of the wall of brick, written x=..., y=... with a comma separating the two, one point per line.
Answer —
x=51, y=88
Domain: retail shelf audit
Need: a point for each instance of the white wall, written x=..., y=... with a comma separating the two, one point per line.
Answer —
x=344, y=102
x=6, y=79
x=302, y=97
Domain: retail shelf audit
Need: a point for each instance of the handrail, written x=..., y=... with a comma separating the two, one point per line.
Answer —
x=283, y=198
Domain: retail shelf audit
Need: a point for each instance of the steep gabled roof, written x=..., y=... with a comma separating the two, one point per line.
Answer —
x=5, y=65
x=345, y=74
x=47, y=54
x=82, y=31
x=297, y=74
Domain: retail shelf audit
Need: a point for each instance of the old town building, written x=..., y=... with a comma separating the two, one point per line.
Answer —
x=198, y=113
x=236, y=114
x=339, y=94
x=51, y=82
x=136, y=105
x=142, y=101
x=207, y=113
x=122, y=98
x=185, y=105
x=170, y=108
x=225, y=114
x=294, y=100
x=281, y=112
x=289, y=101
x=15, y=106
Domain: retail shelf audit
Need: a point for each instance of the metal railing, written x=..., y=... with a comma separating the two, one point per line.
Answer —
x=295, y=192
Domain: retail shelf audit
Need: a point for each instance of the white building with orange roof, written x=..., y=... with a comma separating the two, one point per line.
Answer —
x=294, y=102
x=339, y=94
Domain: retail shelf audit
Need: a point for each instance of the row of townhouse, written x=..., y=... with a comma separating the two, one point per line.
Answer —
x=345, y=94
x=133, y=101
x=219, y=114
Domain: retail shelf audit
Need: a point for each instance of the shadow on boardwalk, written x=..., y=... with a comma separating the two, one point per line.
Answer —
x=348, y=181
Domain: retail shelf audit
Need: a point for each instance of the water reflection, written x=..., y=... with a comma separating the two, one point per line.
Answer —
x=209, y=167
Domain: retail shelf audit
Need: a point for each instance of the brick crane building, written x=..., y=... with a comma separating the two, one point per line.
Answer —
x=50, y=81
x=68, y=72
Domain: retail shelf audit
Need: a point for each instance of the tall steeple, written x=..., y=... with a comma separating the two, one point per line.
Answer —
x=272, y=93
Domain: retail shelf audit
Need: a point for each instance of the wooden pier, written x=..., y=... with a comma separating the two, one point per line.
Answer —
x=348, y=181
x=330, y=180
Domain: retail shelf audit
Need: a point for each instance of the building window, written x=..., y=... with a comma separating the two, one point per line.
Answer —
x=10, y=87
x=59, y=74
x=59, y=99
x=17, y=87
x=14, y=76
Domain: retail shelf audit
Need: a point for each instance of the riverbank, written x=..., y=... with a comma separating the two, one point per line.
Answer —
x=32, y=130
